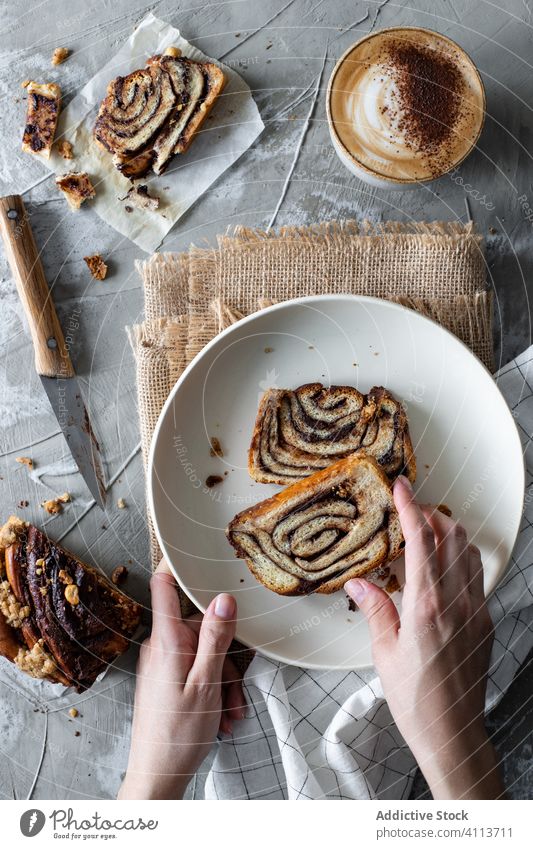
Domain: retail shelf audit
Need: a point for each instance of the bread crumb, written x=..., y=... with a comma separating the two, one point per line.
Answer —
x=72, y=594
x=59, y=55
x=25, y=83
x=268, y=350
x=216, y=448
x=392, y=585
x=25, y=461
x=96, y=266
x=174, y=52
x=351, y=604
x=55, y=505
x=120, y=573
x=139, y=197
x=23, y=503
x=73, y=712
x=65, y=149
x=77, y=188
x=121, y=504
x=213, y=480
x=52, y=506
x=443, y=508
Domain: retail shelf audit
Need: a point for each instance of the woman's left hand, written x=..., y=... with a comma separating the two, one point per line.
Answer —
x=187, y=691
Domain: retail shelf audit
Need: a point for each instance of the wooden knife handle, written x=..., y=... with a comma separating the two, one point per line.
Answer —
x=51, y=354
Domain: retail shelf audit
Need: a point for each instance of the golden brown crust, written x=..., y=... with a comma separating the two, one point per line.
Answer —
x=216, y=82
x=318, y=533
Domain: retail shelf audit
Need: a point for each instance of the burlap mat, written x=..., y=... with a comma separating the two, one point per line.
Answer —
x=437, y=269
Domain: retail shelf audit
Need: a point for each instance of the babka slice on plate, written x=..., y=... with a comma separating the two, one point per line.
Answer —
x=315, y=535
x=152, y=114
x=300, y=431
x=60, y=619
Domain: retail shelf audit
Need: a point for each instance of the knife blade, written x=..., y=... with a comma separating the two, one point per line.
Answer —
x=52, y=358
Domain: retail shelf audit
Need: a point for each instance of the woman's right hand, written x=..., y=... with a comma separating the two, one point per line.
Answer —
x=433, y=663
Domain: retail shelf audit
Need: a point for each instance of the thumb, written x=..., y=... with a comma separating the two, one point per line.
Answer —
x=216, y=633
x=377, y=607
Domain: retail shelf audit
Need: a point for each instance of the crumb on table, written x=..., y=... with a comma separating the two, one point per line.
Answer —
x=25, y=461
x=96, y=266
x=59, y=55
x=120, y=573
x=213, y=480
x=55, y=505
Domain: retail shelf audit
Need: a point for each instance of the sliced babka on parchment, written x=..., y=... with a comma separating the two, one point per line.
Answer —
x=152, y=114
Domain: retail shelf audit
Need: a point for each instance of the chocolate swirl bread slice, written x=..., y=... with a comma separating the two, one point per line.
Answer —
x=153, y=113
x=60, y=619
x=315, y=535
x=300, y=431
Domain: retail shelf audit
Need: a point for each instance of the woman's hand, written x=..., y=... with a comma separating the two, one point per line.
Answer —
x=433, y=663
x=187, y=691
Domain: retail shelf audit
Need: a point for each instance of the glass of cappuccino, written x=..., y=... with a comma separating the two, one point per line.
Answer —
x=405, y=105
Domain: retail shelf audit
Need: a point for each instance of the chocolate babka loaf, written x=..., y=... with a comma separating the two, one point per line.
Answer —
x=60, y=619
x=153, y=113
x=315, y=535
x=300, y=431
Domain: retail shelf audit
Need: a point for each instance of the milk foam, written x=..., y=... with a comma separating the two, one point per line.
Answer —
x=364, y=107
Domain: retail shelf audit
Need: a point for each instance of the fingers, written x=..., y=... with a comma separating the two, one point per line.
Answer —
x=475, y=571
x=377, y=607
x=234, y=699
x=216, y=633
x=172, y=643
x=452, y=552
x=421, y=564
x=166, y=610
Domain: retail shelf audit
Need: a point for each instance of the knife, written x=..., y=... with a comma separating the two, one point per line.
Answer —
x=52, y=359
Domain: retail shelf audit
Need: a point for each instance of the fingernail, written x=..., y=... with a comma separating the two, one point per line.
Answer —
x=225, y=606
x=357, y=589
x=405, y=482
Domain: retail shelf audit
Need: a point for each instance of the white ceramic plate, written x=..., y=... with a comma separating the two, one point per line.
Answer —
x=466, y=443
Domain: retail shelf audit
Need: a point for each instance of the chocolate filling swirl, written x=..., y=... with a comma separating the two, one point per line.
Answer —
x=313, y=536
x=301, y=431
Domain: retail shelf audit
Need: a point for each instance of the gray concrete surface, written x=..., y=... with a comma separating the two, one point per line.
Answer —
x=279, y=47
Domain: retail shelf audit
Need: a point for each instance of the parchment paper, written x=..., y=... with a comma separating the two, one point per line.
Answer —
x=228, y=131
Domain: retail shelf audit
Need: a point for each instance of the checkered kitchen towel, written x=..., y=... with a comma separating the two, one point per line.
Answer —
x=315, y=735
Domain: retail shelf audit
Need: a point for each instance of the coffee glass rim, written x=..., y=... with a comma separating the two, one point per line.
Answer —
x=407, y=181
